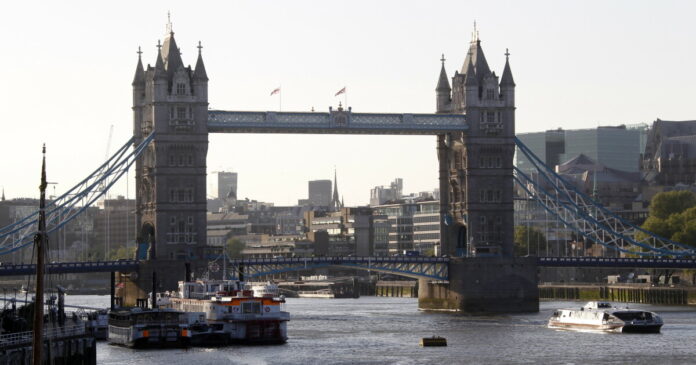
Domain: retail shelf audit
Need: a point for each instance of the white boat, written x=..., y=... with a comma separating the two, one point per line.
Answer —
x=264, y=290
x=322, y=293
x=601, y=316
x=229, y=311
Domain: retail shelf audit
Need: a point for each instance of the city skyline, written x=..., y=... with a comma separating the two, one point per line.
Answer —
x=66, y=86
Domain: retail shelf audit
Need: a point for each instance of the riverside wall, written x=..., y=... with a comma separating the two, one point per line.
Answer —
x=620, y=293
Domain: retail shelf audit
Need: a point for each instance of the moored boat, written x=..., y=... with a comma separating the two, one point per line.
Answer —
x=155, y=328
x=602, y=317
x=230, y=310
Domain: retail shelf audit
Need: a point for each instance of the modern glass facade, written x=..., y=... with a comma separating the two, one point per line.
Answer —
x=614, y=147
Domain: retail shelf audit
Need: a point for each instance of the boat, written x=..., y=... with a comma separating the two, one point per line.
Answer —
x=433, y=341
x=152, y=328
x=97, y=323
x=321, y=293
x=603, y=317
x=224, y=312
x=264, y=290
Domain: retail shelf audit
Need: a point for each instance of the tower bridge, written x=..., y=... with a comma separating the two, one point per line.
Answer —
x=474, y=126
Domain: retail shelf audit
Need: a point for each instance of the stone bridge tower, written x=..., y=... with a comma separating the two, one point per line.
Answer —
x=171, y=100
x=476, y=167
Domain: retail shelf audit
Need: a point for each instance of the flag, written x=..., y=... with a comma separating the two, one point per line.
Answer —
x=342, y=91
x=277, y=90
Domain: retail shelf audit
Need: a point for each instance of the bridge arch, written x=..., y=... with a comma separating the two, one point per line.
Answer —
x=434, y=268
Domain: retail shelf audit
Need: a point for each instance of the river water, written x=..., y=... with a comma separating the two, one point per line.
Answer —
x=381, y=330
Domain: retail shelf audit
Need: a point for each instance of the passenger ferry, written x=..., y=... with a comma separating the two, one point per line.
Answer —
x=137, y=327
x=231, y=310
x=601, y=316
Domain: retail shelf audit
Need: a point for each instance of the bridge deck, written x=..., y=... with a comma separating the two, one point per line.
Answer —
x=334, y=122
x=416, y=265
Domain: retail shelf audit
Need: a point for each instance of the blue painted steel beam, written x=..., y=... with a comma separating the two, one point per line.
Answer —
x=654, y=263
x=71, y=267
x=334, y=122
x=409, y=266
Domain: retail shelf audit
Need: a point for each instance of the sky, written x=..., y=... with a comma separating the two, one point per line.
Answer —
x=66, y=70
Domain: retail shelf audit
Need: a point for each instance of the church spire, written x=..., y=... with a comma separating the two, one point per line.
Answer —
x=3, y=194
x=335, y=202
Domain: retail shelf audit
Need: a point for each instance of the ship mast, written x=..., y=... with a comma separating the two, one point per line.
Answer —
x=40, y=241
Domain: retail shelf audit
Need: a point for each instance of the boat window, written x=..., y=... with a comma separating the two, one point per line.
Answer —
x=630, y=316
x=251, y=307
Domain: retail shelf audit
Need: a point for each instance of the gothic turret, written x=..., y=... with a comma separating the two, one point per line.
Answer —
x=507, y=83
x=443, y=91
x=139, y=78
x=199, y=73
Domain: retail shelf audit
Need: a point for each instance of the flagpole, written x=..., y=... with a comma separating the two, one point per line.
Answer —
x=345, y=97
x=280, y=98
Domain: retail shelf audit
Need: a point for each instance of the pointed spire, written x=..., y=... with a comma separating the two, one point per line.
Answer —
x=139, y=71
x=171, y=55
x=199, y=73
x=335, y=203
x=506, y=79
x=476, y=56
x=159, y=64
x=443, y=82
x=471, y=79
x=3, y=194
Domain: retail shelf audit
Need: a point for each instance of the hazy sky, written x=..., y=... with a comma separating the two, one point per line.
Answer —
x=66, y=70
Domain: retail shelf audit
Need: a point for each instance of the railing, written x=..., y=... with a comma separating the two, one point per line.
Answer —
x=20, y=338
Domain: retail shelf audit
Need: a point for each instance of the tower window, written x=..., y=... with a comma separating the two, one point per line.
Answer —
x=181, y=88
x=490, y=117
x=181, y=112
x=490, y=94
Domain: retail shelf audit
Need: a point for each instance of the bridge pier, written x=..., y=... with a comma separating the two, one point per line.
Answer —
x=484, y=285
x=134, y=286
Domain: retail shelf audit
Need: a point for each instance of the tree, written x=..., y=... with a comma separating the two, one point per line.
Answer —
x=673, y=216
x=235, y=247
x=671, y=202
x=528, y=240
x=122, y=252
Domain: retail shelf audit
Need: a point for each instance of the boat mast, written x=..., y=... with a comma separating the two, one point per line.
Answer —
x=40, y=241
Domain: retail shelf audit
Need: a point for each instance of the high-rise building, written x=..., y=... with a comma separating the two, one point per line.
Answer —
x=319, y=193
x=227, y=185
x=616, y=147
x=381, y=194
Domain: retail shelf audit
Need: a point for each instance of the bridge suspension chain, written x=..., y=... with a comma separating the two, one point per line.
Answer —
x=75, y=201
x=588, y=218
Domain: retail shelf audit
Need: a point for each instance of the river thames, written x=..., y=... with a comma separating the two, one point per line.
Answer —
x=381, y=330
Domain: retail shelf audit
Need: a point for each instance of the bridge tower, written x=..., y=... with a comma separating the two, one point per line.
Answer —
x=476, y=166
x=476, y=196
x=171, y=100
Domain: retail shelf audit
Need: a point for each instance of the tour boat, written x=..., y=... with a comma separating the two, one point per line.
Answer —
x=601, y=316
x=224, y=308
x=137, y=327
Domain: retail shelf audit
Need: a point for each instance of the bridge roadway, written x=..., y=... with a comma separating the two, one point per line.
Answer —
x=334, y=122
x=411, y=266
